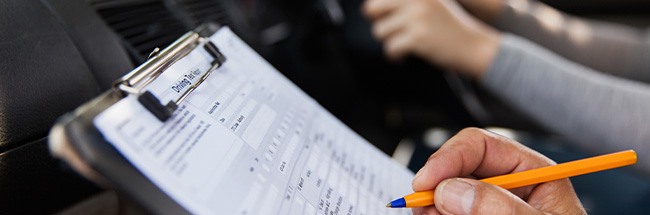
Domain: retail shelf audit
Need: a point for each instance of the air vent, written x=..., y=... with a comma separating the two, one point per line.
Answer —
x=143, y=25
x=203, y=11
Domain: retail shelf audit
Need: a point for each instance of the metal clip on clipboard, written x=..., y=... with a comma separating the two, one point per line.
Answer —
x=158, y=62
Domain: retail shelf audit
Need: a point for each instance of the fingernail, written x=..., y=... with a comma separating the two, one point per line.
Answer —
x=419, y=173
x=457, y=196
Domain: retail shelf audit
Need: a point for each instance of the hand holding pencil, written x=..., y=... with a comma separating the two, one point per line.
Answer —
x=476, y=153
x=533, y=176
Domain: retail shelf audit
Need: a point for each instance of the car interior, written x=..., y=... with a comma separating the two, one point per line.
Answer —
x=57, y=55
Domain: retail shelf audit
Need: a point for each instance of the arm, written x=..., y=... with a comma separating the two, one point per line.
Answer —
x=438, y=31
x=598, y=111
x=611, y=48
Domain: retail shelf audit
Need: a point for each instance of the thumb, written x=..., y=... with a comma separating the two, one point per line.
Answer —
x=467, y=196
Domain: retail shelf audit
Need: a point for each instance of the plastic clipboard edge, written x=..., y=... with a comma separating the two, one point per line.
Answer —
x=76, y=140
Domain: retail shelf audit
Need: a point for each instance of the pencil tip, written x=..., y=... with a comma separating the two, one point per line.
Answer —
x=397, y=203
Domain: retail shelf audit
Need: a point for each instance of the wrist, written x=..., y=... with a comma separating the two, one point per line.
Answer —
x=478, y=53
x=487, y=49
x=486, y=10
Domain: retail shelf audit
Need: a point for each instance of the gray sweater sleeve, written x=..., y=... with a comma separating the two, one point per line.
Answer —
x=600, y=112
x=606, y=47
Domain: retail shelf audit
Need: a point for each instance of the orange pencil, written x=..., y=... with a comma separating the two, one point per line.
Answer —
x=533, y=176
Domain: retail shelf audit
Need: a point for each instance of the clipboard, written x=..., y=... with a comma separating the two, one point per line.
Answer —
x=76, y=140
x=268, y=142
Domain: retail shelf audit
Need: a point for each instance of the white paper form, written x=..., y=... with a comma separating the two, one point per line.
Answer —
x=248, y=141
